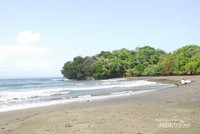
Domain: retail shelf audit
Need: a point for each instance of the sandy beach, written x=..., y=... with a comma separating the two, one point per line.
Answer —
x=171, y=111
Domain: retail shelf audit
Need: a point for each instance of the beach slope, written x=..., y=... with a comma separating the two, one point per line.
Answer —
x=172, y=111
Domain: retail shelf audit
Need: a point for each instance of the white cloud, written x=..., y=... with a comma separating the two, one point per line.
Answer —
x=13, y=51
x=27, y=37
x=23, y=51
x=31, y=64
x=22, y=59
x=11, y=54
x=25, y=59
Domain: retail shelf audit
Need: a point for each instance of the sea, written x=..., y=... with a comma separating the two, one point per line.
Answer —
x=18, y=94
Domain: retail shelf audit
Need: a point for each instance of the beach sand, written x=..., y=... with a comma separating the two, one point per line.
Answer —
x=172, y=111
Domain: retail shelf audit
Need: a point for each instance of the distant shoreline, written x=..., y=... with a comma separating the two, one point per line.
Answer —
x=142, y=77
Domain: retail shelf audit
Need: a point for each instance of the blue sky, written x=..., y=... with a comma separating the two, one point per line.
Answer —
x=38, y=36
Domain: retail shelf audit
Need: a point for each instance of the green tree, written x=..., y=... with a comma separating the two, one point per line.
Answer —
x=193, y=66
x=68, y=70
x=99, y=69
x=105, y=54
x=129, y=72
x=167, y=64
x=87, y=66
x=116, y=68
x=152, y=70
x=182, y=57
x=138, y=69
x=142, y=61
x=123, y=59
x=146, y=55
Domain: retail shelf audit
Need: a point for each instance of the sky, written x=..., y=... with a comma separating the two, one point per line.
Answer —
x=38, y=36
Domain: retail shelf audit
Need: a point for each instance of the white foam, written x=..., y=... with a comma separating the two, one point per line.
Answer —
x=114, y=80
x=60, y=79
x=18, y=99
x=21, y=95
x=84, y=98
x=119, y=84
x=8, y=95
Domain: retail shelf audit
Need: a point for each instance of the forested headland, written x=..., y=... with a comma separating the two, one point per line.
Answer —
x=143, y=61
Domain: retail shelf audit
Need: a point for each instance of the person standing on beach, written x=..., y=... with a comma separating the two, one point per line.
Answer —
x=177, y=83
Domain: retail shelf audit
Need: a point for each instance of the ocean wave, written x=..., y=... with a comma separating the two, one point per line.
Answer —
x=115, y=85
x=56, y=92
x=84, y=98
x=114, y=80
x=26, y=95
x=60, y=79
x=33, y=93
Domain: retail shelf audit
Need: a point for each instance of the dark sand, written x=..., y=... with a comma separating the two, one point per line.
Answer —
x=171, y=111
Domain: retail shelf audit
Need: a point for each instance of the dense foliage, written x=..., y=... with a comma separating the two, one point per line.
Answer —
x=143, y=61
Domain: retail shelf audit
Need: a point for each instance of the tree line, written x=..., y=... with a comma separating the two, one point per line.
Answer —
x=143, y=61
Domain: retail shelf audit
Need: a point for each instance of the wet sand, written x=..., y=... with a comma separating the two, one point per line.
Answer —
x=171, y=111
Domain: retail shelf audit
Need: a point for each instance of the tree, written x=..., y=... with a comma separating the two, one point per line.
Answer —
x=183, y=55
x=147, y=55
x=152, y=70
x=116, y=68
x=79, y=68
x=129, y=72
x=87, y=65
x=68, y=70
x=167, y=64
x=123, y=59
x=138, y=69
x=141, y=61
x=99, y=70
x=105, y=54
x=193, y=66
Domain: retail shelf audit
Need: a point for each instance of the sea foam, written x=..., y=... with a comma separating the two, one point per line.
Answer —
x=28, y=93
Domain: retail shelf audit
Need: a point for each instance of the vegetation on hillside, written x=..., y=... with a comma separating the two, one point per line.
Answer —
x=143, y=61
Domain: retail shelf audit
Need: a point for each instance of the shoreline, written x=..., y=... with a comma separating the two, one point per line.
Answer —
x=127, y=114
x=126, y=88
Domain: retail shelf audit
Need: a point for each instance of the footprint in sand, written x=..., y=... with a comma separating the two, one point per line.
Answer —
x=68, y=125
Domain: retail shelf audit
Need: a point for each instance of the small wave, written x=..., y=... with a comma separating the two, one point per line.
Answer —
x=84, y=98
x=126, y=84
x=22, y=98
x=114, y=80
x=60, y=79
x=26, y=95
